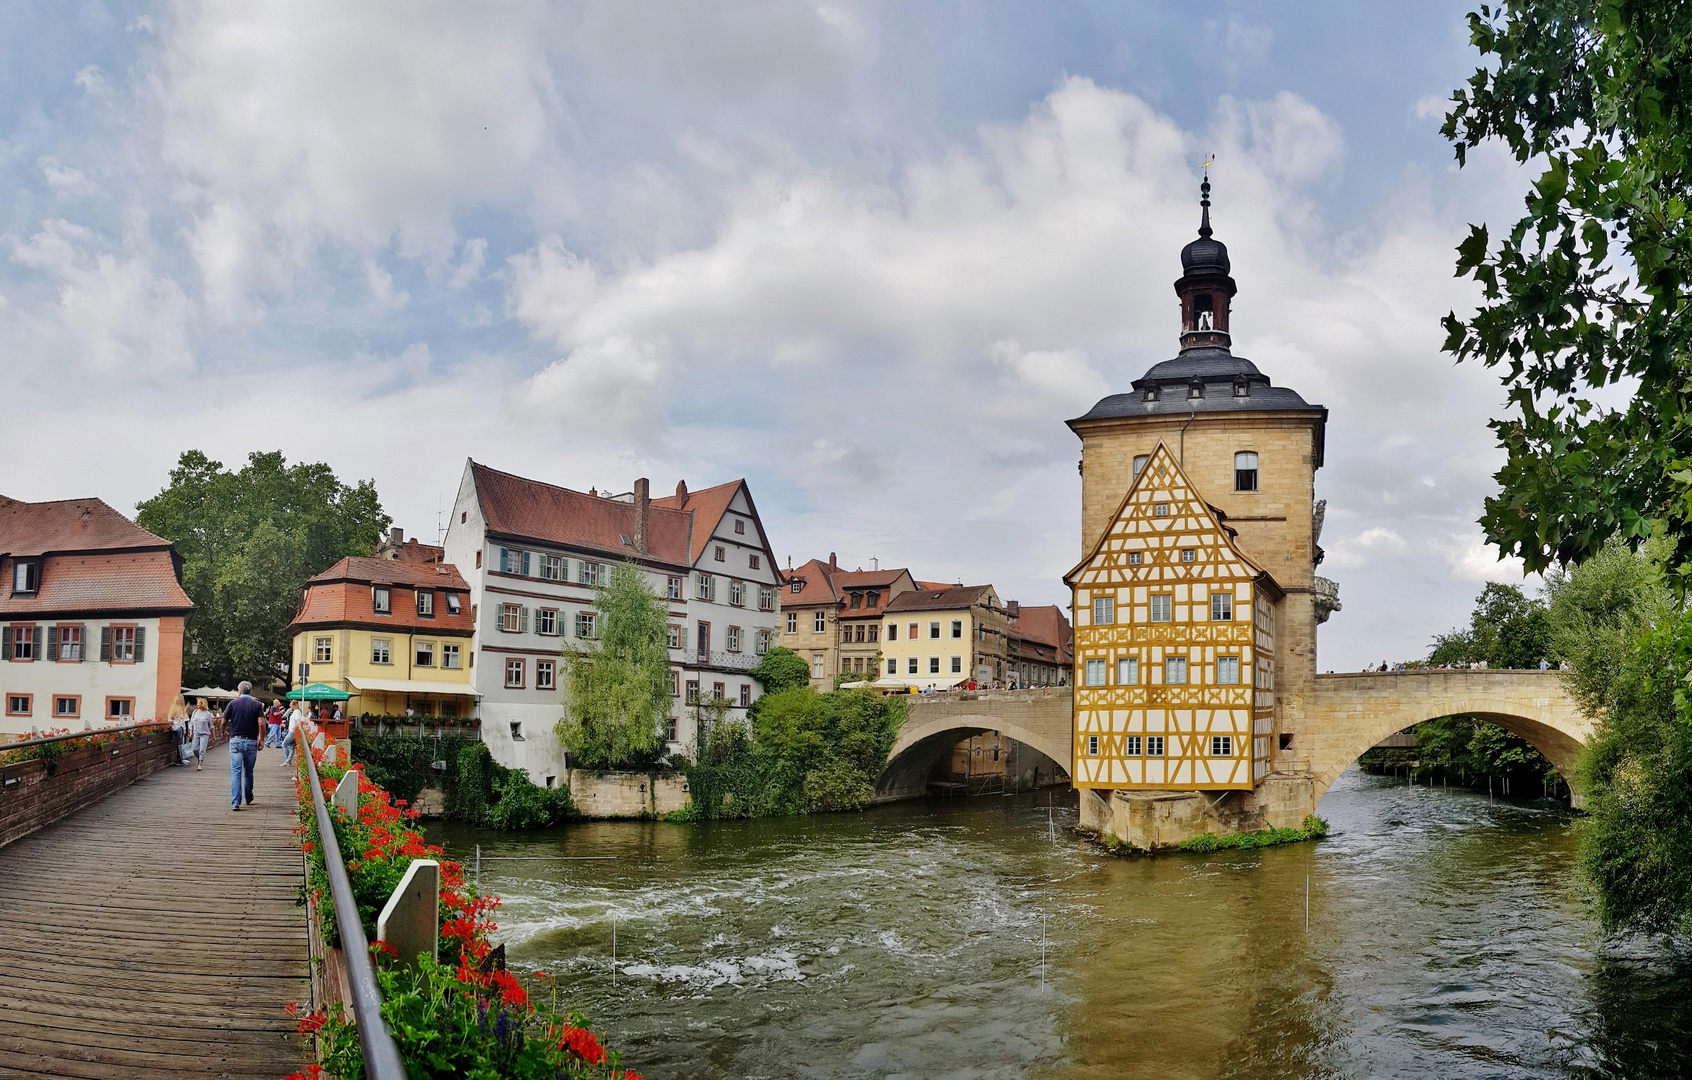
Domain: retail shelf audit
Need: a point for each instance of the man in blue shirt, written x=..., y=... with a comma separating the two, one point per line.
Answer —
x=243, y=719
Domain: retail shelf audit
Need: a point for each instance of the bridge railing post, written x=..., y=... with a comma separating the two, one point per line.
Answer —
x=410, y=922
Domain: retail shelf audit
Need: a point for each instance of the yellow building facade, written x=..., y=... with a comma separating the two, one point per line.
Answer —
x=1174, y=646
x=943, y=638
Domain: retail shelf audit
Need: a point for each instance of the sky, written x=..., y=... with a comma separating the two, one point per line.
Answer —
x=868, y=256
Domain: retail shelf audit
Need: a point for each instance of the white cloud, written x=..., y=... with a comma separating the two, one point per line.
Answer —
x=1370, y=545
x=616, y=389
x=470, y=264
x=1470, y=558
x=67, y=181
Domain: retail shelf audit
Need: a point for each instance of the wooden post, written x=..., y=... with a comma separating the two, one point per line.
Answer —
x=411, y=920
x=346, y=794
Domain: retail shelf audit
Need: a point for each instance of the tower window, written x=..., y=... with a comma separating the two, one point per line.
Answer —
x=1151, y=394
x=1140, y=460
x=1242, y=389
x=1196, y=390
x=1204, y=314
x=1245, y=471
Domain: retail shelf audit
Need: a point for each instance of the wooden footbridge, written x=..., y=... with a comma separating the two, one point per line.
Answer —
x=152, y=932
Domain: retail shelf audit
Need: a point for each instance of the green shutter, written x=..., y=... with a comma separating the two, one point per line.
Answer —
x=522, y=620
x=525, y=564
x=52, y=643
x=140, y=644
x=106, y=644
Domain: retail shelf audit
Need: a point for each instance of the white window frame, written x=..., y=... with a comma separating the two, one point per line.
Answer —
x=381, y=600
x=1154, y=745
x=520, y=666
x=1128, y=671
x=451, y=657
x=425, y=604
x=1104, y=610
x=546, y=675
x=819, y=622
x=1172, y=666
x=323, y=650
x=1162, y=607
x=1227, y=671
x=1094, y=671
x=419, y=649
x=382, y=651
x=1221, y=746
x=1221, y=607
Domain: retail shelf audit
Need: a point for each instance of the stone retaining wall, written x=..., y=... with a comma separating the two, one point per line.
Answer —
x=626, y=794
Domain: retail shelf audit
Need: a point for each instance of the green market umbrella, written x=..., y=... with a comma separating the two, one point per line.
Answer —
x=317, y=692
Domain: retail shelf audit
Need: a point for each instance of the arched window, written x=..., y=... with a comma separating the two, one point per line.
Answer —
x=1195, y=390
x=1140, y=462
x=1245, y=471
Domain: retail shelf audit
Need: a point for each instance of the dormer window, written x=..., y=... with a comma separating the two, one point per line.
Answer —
x=381, y=600
x=1195, y=390
x=1242, y=389
x=1151, y=394
x=26, y=576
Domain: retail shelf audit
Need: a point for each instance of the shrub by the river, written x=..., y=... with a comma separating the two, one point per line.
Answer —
x=1313, y=827
x=478, y=790
x=803, y=752
x=463, y=1016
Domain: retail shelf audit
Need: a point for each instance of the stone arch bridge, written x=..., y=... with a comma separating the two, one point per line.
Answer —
x=1347, y=714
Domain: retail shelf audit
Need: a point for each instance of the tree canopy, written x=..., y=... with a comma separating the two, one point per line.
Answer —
x=1508, y=629
x=1589, y=287
x=617, y=688
x=248, y=541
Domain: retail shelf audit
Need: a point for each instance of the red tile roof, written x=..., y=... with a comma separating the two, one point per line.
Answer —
x=342, y=596
x=1046, y=624
x=95, y=559
x=414, y=551
x=107, y=582
x=708, y=507
x=68, y=525
x=519, y=507
x=950, y=598
x=818, y=586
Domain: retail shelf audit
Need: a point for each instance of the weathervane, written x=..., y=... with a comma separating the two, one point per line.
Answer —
x=1204, y=197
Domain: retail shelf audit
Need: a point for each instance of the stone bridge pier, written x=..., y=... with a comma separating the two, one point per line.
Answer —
x=1320, y=735
x=1042, y=720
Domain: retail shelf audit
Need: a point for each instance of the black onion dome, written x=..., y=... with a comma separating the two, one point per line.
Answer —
x=1205, y=255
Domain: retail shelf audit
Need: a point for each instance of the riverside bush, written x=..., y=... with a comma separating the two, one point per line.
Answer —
x=478, y=789
x=803, y=752
x=1313, y=828
x=459, y=1016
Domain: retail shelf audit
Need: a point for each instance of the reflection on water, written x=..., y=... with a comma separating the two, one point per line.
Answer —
x=1446, y=938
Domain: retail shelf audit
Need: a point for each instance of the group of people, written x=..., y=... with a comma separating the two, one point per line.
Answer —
x=251, y=725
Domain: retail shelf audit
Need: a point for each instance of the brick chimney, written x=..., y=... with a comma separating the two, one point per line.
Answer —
x=643, y=507
x=681, y=492
x=832, y=563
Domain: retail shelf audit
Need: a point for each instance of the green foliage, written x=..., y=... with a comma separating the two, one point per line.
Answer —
x=1508, y=629
x=1599, y=610
x=248, y=542
x=1314, y=827
x=1589, y=287
x=781, y=669
x=1462, y=749
x=1636, y=772
x=478, y=790
x=617, y=689
x=804, y=752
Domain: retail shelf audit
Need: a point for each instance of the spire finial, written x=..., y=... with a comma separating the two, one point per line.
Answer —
x=1204, y=198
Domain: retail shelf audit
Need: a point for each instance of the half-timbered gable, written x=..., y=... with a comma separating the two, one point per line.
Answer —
x=1174, y=645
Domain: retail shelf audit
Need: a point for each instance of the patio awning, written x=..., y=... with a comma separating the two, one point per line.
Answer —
x=412, y=686
x=210, y=693
x=317, y=692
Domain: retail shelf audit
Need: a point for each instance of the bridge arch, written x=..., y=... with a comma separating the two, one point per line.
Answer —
x=1355, y=711
x=1038, y=719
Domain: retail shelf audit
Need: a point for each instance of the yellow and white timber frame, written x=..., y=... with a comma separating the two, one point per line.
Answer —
x=1174, y=646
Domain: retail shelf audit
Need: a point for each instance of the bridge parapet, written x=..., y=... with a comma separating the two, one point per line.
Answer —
x=1043, y=720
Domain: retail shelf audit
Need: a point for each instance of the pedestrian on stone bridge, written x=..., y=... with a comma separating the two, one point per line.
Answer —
x=243, y=719
x=200, y=731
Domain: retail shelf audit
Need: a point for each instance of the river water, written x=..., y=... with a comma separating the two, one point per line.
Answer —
x=1446, y=938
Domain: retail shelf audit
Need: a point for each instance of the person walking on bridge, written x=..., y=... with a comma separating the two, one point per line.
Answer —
x=200, y=731
x=242, y=719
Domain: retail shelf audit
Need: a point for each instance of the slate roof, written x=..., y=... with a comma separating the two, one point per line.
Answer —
x=519, y=507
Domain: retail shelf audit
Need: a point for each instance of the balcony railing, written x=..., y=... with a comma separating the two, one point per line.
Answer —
x=732, y=661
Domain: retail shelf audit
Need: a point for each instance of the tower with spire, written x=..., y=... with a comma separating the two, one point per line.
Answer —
x=1241, y=455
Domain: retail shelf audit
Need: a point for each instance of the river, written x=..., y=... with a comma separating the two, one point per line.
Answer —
x=1446, y=938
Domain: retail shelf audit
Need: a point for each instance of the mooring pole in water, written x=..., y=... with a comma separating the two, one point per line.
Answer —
x=1051, y=827
x=613, y=950
x=478, y=868
x=1042, y=952
x=1307, y=903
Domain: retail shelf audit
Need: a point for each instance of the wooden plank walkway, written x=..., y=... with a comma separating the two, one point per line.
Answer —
x=155, y=933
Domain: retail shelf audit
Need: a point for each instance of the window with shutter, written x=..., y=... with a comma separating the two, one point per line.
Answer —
x=523, y=620
x=38, y=643
x=49, y=649
x=525, y=564
x=140, y=644
x=106, y=644
x=5, y=642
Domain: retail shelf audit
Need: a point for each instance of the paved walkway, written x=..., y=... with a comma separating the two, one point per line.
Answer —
x=155, y=933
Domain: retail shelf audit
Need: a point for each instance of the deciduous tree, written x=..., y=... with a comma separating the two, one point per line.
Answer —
x=617, y=688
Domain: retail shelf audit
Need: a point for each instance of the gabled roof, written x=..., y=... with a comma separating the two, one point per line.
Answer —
x=1136, y=526
x=952, y=598
x=1046, y=624
x=342, y=596
x=708, y=506
x=103, y=581
x=41, y=528
x=817, y=586
x=518, y=507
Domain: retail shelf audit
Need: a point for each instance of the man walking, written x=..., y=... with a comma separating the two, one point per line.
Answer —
x=242, y=719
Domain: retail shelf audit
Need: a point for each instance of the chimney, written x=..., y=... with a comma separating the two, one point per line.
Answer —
x=832, y=563
x=396, y=537
x=681, y=492
x=1013, y=609
x=643, y=505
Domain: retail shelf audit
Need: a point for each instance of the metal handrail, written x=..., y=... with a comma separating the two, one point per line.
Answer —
x=381, y=1056
x=143, y=725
